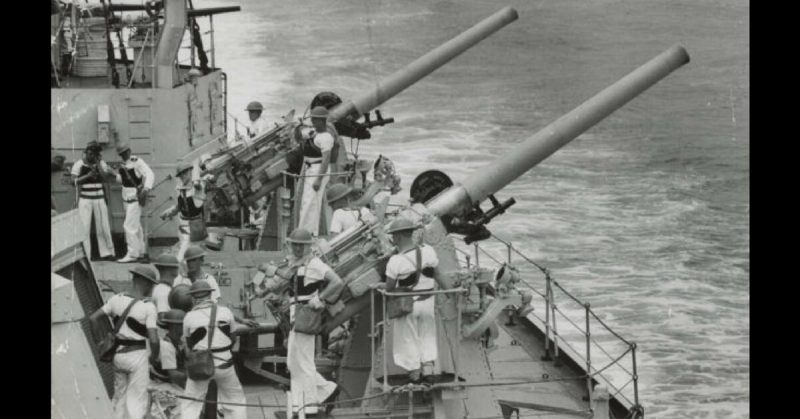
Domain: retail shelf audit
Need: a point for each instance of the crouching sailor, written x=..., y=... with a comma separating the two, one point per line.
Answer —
x=311, y=285
x=135, y=322
x=209, y=326
x=167, y=373
x=414, y=327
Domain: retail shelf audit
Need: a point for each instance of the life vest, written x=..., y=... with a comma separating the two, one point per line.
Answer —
x=187, y=207
x=310, y=150
x=93, y=187
x=129, y=177
x=304, y=290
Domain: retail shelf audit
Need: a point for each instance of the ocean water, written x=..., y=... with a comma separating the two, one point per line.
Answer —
x=645, y=216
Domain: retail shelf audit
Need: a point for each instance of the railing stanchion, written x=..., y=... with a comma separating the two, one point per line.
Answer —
x=553, y=308
x=458, y=339
x=635, y=376
x=588, y=356
x=372, y=328
x=385, y=346
x=477, y=259
x=547, y=292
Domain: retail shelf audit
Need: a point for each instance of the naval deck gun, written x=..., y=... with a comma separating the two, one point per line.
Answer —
x=465, y=309
x=245, y=172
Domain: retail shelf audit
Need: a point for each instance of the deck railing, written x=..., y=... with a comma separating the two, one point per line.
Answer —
x=599, y=362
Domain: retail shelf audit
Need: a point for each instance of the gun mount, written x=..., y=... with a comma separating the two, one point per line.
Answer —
x=359, y=254
x=245, y=173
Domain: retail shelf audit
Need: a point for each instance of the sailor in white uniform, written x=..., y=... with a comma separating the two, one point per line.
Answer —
x=315, y=283
x=316, y=167
x=136, y=315
x=191, y=198
x=137, y=180
x=344, y=214
x=414, y=334
x=256, y=124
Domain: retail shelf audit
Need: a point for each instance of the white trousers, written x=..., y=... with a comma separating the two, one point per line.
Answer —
x=414, y=336
x=311, y=202
x=307, y=385
x=183, y=239
x=134, y=234
x=98, y=208
x=131, y=378
x=229, y=390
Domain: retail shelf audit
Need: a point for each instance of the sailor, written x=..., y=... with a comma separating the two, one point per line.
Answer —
x=316, y=283
x=385, y=181
x=414, y=334
x=256, y=125
x=88, y=174
x=131, y=371
x=344, y=214
x=191, y=197
x=167, y=373
x=195, y=333
x=167, y=266
x=56, y=165
x=194, y=259
x=316, y=165
x=137, y=180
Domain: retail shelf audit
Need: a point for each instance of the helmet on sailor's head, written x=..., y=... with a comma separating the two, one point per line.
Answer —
x=179, y=297
x=167, y=260
x=182, y=167
x=123, y=147
x=337, y=192
x=319, y=112
x=145, y=271
x=200, y=288
x=254, y=106
x=300, y=236
x=193, y=252
x=402, y=224
x=173, y=316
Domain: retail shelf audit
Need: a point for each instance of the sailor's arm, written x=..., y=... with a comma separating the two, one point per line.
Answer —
x=152, y=331
x=147, y=174
x=334, y=286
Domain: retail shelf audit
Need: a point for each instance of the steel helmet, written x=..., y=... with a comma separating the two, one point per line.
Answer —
x=300, y=235
x=173, y=316
x=401, y=224
x=337, y=192
x=193, y=252
x=166, y=259
x=200, y=287
x=319, y=112
x=254, y=106
x=182, y=167
x=145, y=271
x=123, y=147
x=194, y=72
x=179, y=298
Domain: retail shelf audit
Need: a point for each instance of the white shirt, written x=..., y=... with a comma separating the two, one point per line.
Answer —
x=312, y=272
x=255, y=128
x=402, y=265
x=161, y=297
x=344, y=218
x=323, y=140
x=142, y=170
x=167, y=354
x=199, y=317
x=215, y=294
x=142, y=311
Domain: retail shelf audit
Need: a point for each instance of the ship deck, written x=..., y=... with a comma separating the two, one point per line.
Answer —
x=516, y=357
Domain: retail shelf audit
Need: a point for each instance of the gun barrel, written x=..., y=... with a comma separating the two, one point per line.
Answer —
x=496, y=175
x=423, y=66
